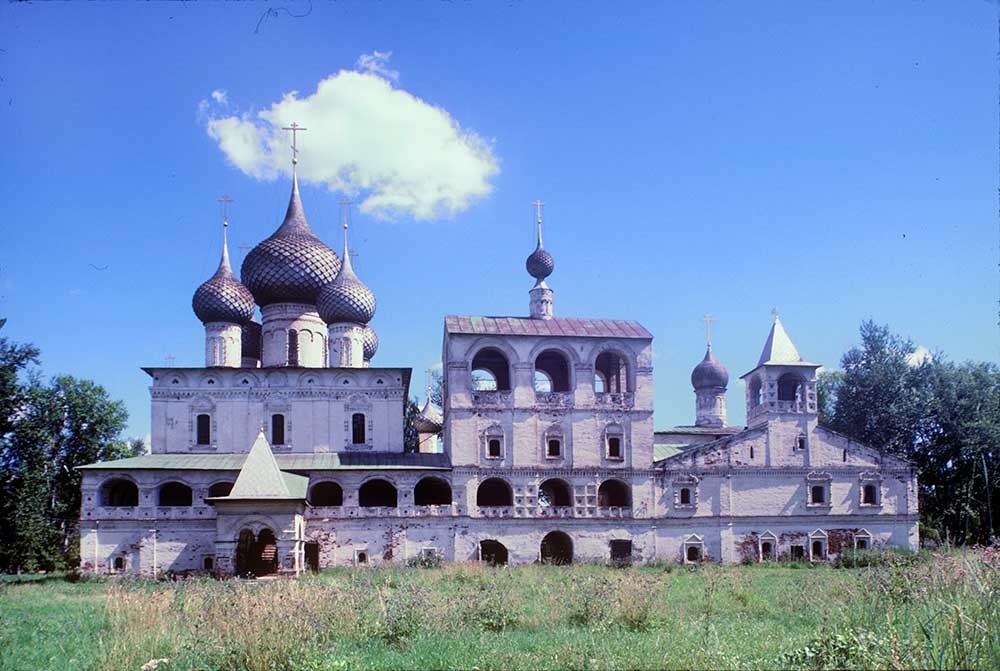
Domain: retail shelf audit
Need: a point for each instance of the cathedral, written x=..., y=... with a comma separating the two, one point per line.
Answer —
x=285, y=452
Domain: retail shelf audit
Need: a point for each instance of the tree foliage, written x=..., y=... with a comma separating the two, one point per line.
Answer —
x=51, y=428
x=942, y=416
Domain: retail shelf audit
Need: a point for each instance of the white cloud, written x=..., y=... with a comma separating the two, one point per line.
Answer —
x=399, y=154
x=920, y=356
x=376, y=63
x=219, y=96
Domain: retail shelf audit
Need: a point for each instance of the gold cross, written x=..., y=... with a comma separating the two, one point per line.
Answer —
x=170, y=360
x=295, y=128
x=225, y=200
x=708, y=319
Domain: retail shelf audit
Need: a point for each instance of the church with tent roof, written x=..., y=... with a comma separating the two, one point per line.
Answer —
x=286, y=452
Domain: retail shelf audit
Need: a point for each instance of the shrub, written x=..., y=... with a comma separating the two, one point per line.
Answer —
x=493, y=610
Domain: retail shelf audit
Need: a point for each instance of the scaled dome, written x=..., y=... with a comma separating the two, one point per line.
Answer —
x=222, y=298
x=709, y=373
x=540, y=264
x=429, y=419
x=293, y=264
x=370, y=340
x=346, y=299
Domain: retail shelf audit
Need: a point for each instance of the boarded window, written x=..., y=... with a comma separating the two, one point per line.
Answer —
x=204, y=429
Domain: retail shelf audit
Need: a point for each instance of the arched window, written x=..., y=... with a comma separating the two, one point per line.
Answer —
x=685, y=496
x=220, y=489
x=490, y=370
x=554, y=493
x=326, y=494
x=277, y=429
x=552, y=369
x=789, y=387
x=204, y=429
x=557, y=548
x=175, y=494
x=755, y=395
x=358, y=428
x=493, y=553
x=613, y=368
x=377, y=494
x=600, y=384
x=494, y=492
x=293, y=347
x=432, y=491
x=119, y=493
x=613, y=494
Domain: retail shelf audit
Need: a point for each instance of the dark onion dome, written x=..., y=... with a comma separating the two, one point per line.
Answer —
x=347, y=299
x=428, y=420
x=370, y=340
x=540, y=264
x=709, y=373
x=223, y=298
x=293, y=264
x=251, y=340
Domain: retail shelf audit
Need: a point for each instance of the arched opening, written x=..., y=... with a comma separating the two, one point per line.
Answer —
x=175, y=494
x=432, y=491
x=203, y=429
x=326, y=494
x=600, y=384
x=494, y=492
x=554, y=368
x=220, y=489
x=755, y=396
x=377, y=494
x=493, y=552
x=613, y=494
x=358, y=428
x=613, y=368
x=766, y=551
x=312, y=556
x=693, y=553
x=557, y=548
x=818, y=548
x=119, y=493
x=685, y=496
x=256, y=556
x=869, y=495
x=789, y=387
x=490, y=370
x=277, y=429
x=554, y=493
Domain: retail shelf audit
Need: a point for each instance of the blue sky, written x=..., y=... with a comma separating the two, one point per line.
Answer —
x=838, y=160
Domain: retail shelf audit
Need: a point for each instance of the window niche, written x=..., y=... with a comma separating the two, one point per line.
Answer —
x=818, y=490
x=493, y=443
x=767, y=546
x=870, y=490
x=553, y=442
x=614, y=442
x=694, y=549
x=862, y=540
x=685, y=493
x=817, y=545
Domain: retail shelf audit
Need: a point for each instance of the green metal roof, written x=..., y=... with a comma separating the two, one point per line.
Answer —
x=662, y=451
x=260, y=477
x=327, y=461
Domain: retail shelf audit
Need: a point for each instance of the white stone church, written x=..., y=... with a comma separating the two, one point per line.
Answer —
x=285, y=452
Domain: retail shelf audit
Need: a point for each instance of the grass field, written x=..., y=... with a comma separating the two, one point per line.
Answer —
x=936, y=610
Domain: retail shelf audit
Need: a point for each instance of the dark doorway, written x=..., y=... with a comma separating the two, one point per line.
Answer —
x=312, y=556
x=557, y=548
x=493, y=553
x=256, y=556
x=766, y=551
x=817, y=548
x=694, y=553
x=621, y=553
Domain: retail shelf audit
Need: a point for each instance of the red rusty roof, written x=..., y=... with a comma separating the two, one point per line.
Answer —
x=563, y=326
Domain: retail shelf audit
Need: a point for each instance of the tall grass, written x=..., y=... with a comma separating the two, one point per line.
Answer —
x=936, y=610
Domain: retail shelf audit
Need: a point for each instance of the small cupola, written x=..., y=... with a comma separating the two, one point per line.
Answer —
x=540, y=265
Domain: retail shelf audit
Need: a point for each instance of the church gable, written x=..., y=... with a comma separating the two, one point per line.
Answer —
x=828, y=447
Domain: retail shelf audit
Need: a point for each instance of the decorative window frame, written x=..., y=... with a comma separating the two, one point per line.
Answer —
x=690, y=541
x=614, y=430
x=819, y=479
x=554, y=432
x=767, y=537
x=874, y=479
x=863, y=535
x=819, y=535
x=494, y=432
x=685, y=482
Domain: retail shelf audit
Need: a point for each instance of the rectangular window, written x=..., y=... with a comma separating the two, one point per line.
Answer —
x=869, y=495
x=554, y=448
x=358, y=428
x=277, y=429
x=293, y=348
x=800, y=443
x=204, y=430
x=493, y=448
x=818, y=494
x=614, y=447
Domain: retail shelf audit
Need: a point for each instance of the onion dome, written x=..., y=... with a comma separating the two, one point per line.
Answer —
x=346, y=299
x=709, y=373
x=540, y=264
x=370, y=340
x=430, y=418
x=293, y=264
x=223, y=298
x=251, y=343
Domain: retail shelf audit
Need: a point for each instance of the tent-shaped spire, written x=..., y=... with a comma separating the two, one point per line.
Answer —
x=260, y=477
x=779, y=348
